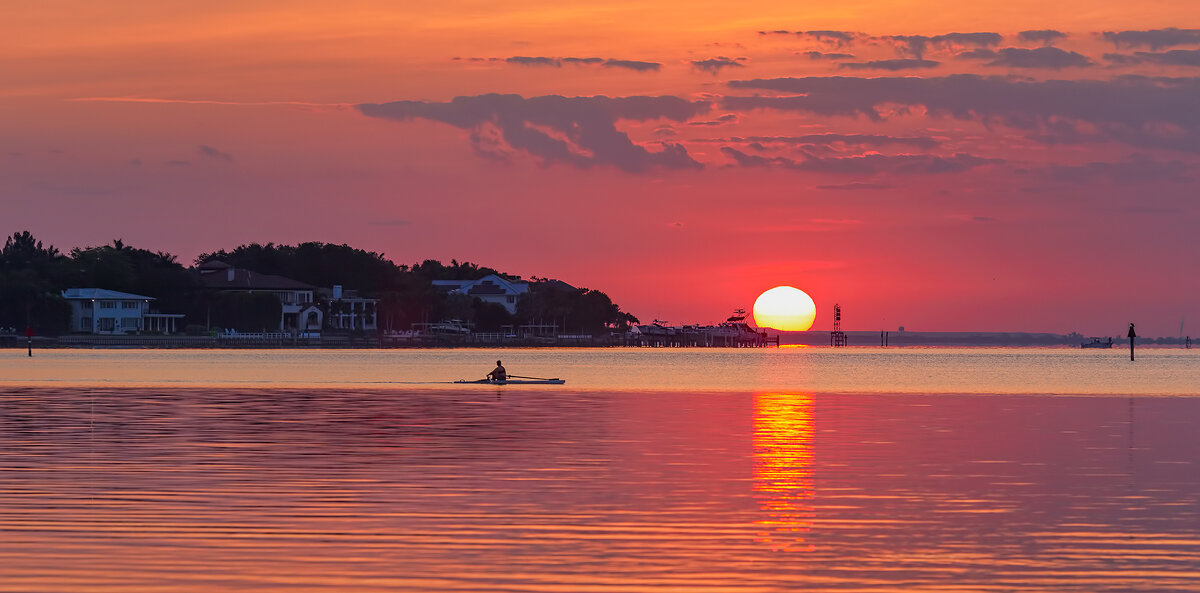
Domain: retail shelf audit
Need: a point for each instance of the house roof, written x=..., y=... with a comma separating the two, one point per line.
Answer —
x=490, y=284
x=100, y=293
x=557, y=284
x=219, y=278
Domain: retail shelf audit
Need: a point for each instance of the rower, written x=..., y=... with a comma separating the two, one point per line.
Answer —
x=498, y=374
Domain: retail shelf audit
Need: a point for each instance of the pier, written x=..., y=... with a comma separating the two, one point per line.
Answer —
x=692, y=337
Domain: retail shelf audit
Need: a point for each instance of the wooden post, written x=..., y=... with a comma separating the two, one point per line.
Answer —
x=29, y=337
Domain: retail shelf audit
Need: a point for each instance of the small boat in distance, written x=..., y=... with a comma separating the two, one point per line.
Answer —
x=515, y=381
x=1097, y=343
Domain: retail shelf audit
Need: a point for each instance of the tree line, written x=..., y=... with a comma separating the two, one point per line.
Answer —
x=33, y=277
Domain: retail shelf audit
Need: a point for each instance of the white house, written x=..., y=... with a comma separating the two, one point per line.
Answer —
x=348, y=310
x=489, y=289
x=100, y=311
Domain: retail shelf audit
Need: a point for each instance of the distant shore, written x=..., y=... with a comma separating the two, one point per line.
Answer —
x=910, y=338
x=810, y=338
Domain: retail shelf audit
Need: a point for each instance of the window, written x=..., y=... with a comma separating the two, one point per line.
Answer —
x=130, y=324
x=129, y=304
x=85, y=323
x=86, y=305
x=108, y=304
x=106, y=324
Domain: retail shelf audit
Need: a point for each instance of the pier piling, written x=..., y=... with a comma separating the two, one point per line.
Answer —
x=1132, y=336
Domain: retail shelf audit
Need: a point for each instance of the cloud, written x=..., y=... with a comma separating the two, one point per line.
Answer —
x=1123, y=59
x=179, y=163
x=1043, y=36
x=980, y=53
x=635, y=65
x=714, y=65
x=728, y=118
x=893, y=65
x=534, y=61
x=632, y=65
x=1137, y=168
x=844, y=139
x=834, y=38
x=916, y=45
x=390, y=222
x=869, y=164
x=1154, y=39
x=302, y=104
x=1138, y=110
x=1050, y=58
x=1175, y=57
x=913, y=46
x=209, y=152
x=580, y=131
x=817, y=55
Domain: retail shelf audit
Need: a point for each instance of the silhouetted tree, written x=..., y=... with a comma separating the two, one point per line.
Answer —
x=319, y=264
x=31, y=277
x=245, y=312
x=490, y=317
x=577, y=310
x=126, y=269
x=432, y=269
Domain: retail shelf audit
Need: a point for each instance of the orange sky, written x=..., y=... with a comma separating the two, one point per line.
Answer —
x=975, y=182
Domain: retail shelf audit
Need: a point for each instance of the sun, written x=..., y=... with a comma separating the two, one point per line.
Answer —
x=785, y=308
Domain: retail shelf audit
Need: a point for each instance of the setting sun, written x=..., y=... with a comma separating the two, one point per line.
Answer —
x=784, y=308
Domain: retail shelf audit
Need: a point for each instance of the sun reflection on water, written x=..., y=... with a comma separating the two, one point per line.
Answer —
x=783, y=469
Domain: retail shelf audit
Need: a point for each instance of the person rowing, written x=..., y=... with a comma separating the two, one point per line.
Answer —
x=498, y=374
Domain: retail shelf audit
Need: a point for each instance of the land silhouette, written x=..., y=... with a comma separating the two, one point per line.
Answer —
x=34, y=275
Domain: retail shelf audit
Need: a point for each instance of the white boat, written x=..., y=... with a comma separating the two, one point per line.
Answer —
x=1097, y=343
x=735, y=327
x=452, y=326
x=515, y=381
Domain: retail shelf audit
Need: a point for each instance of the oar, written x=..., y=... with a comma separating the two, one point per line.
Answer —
x=538, y=378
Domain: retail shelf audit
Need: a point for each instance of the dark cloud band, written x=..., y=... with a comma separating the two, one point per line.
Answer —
x=575, y=130
x=1127, y=109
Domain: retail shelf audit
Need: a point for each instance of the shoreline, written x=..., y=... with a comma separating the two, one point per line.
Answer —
x=376, y=342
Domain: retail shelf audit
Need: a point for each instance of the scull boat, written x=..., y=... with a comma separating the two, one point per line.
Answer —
x=515, y=381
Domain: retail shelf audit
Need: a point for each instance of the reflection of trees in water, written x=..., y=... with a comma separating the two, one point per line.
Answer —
x=783, y=468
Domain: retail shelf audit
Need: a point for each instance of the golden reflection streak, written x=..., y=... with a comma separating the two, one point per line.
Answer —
x=783, y=468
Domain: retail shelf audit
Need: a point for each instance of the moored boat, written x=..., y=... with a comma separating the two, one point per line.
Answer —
x=1097, y=343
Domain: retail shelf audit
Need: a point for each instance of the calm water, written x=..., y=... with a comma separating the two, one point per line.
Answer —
x=790, y=470
x=817, y=370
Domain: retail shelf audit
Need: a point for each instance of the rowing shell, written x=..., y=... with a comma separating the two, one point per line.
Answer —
x=515, y=381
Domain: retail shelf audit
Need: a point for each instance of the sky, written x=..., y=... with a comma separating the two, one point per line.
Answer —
x=991, y=166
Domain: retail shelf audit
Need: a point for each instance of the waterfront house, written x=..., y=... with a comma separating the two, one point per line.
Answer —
x=348, y=310
x=100, y=311
x=295, y=297
x=489, y=289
